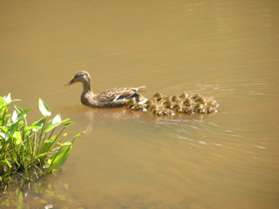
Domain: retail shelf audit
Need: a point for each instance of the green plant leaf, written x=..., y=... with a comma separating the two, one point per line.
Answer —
x=66, y=122
x=52, y=126
x=17, y=137
x=43, y=108
x=8, y=163
x=3, y=135
x=14, y=157
x=22, y=113
x=2, y=102
x=30, y=150
x=37, y=125
x=46, y=147
x=12, y=128
x=61, y=156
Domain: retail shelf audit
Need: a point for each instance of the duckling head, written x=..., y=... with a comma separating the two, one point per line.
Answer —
x=81, y=76
x=167, y=103
x=157, y=96
x=174, y=99
x=184, y=95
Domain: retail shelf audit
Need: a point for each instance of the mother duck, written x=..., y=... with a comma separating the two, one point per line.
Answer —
x=115, y=97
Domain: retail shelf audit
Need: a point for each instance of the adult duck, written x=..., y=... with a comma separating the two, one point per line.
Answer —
x=115, y=97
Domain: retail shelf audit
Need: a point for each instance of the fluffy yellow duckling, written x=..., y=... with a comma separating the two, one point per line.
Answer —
x=174, y=99
x=187, y=102
x=167, y=103
x=157, y=96
x=183, y=96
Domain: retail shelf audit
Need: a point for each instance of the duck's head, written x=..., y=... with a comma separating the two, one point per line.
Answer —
x=81, y=76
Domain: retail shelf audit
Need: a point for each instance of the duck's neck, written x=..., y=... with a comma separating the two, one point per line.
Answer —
x=87, y=96
x=86, y=87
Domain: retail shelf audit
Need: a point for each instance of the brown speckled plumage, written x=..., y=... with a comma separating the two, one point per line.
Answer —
x=114, y=97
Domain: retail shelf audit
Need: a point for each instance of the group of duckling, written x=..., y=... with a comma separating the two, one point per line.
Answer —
x=163, y=105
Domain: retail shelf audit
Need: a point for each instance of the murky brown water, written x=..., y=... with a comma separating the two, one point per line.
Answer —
x=228, y=49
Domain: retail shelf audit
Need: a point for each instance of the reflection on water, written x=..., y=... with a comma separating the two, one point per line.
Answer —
x=41, y=195
x=124, y=159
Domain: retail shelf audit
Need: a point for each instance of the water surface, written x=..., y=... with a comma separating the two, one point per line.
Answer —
x=225, y=49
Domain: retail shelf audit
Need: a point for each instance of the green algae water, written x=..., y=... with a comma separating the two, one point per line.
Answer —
x=124, y=159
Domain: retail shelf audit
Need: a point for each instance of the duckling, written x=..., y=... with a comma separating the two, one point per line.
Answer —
x=140, y=104
x=201, y=100
x=183, y=96
x=203, y=110
x=196, y=108
x=213, y=103
x=152, y=106
x=155, y=107
x=148, y=103
x=199, y=108
x=188, y=110
x=167, y=104
x=169, y=112
x=187, y=101
x=130, y=104
x=178, y=107
x=198, y=98
x=154, y=111
x=174, y=99
x=157, y=96
x=211, y=110
x=167, y=98
x=158, y=111
x=139, y=107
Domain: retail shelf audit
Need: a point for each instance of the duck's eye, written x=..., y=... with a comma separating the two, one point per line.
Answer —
x=79, y=75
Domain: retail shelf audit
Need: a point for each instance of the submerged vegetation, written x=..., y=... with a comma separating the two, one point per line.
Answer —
x=30, y=150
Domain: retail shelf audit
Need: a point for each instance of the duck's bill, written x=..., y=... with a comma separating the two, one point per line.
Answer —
x=70, y=82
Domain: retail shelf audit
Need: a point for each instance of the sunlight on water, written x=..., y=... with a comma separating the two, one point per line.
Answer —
x=124, y=159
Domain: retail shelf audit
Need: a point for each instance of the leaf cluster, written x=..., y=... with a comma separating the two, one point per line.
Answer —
x=30, y=150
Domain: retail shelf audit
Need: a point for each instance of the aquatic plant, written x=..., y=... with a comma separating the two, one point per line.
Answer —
x=30, y=150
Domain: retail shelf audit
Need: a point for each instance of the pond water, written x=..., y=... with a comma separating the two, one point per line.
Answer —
x=225, y=49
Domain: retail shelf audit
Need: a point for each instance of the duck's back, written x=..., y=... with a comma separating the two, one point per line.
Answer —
x=116, y=96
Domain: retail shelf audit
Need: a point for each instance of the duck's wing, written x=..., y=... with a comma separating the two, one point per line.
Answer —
x=117, y=94
x=139, y=88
